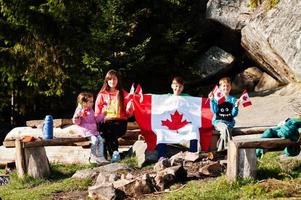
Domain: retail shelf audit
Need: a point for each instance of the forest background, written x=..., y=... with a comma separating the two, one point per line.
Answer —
x=50, y=50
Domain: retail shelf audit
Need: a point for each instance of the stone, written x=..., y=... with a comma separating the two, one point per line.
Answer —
x=85, y=173
x=234, y=14
x=105, y=191
x=247, y=79
x=214, y=61
x=169, y=176
x=265, y=83
x=162, y=164
x=272, y=38
x=212, y=169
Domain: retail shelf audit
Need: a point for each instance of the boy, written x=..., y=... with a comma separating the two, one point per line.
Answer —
x=177, y=86
x=224, y=113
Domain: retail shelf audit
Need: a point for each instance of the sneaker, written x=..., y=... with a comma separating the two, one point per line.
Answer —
x=93, y=160
x=101, y=161
x=115, y=157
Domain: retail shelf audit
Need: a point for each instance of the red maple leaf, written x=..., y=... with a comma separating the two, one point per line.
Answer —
x=244, y=98
x=176, y=121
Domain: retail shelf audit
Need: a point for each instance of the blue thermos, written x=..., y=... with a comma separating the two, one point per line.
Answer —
x=48, y=127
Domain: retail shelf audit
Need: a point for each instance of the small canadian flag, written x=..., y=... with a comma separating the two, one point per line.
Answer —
x=139, y=92
x=220, y=98
x=132, y=91
x=245, y=99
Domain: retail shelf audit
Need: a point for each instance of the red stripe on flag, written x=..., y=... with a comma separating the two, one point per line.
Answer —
x=144, y=120
x=247, y=103
x=207, y=128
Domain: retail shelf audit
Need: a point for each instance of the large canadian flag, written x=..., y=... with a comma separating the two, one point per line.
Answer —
x=173, y=119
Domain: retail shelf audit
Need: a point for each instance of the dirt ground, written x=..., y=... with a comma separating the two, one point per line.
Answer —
x=270, y=108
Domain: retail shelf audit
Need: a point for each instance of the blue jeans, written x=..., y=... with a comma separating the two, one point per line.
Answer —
x=161, y=148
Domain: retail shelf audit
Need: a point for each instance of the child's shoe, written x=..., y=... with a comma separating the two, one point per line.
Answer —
x=93, y=159
x=101, y=161
x=115, y=157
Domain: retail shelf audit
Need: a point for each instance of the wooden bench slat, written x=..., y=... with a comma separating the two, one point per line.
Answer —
x=53, y=142
x=266, y=143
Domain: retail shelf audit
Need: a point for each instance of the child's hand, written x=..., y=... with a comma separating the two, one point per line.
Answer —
x=211, y=96
x=237, y=103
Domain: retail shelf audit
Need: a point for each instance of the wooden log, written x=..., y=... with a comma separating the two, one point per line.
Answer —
x=132, y=125
x=20, y=159
x=81, y=141
x=125, y=142
x=37, y=162
x=132, y=134
x=249, y=130
x=266, y=143
x=240, y=162
x=232, y=161
x=247, y=161
x=56, y=123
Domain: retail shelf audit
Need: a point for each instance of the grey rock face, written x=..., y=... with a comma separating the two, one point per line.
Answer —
x=231, y=13
x=214, y=61
x=273, y=39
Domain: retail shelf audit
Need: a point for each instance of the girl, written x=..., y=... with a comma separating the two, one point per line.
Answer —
x=111, y=99
x=85, y=118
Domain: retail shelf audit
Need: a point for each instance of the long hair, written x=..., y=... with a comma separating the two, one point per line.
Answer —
x=119, y=87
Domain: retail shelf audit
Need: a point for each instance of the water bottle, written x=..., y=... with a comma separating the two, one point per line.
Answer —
x=115, y=156
x=48, y=128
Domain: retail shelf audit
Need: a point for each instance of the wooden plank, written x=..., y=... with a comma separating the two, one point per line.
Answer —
x=249, y=130
x=125, y=142
x=232, y=161
x=37, y=162
x=9, y=143
x=56, y=123
x=56, y=142
x=20, y=159
x=53, y=142
x=266, y=143
x=132, y=134
x=132, y=125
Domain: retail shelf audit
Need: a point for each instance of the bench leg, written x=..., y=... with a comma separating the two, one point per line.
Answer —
x=232, y=161
x=20, y=159
x=240, y=162
x=37, y=162
x=247, y=163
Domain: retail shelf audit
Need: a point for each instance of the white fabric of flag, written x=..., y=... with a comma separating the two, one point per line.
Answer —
x=175, y=118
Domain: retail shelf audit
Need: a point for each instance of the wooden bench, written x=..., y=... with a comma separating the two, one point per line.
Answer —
x=31, y=157
x=241, y=156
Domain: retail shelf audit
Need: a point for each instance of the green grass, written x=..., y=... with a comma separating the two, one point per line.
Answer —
x=59, y=181
x=131, y=162
x=276, y=179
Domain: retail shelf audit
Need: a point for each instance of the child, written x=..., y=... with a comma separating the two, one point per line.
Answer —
x=177, y=85
x=224, y=113
x=86, y=120
x=111, y=99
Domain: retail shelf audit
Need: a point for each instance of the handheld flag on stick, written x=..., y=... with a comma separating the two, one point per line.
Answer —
x=139, y=92
x=220, y=98
x=245, y=99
